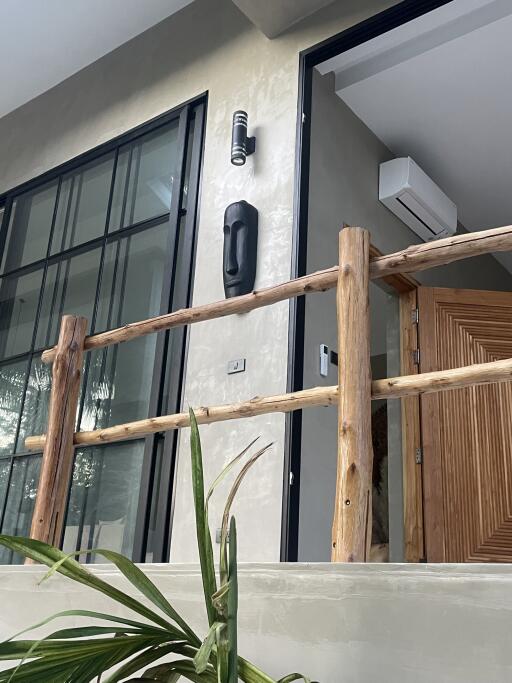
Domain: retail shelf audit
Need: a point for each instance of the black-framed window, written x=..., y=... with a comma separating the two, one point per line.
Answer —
x=109, y=236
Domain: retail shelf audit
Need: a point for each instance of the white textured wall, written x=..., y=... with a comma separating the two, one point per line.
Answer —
x=336, y=623
x=208, y=46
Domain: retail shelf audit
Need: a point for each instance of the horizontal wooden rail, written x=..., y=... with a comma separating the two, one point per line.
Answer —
x=394, y=387
x=441, y=252
x=410, y=260
x=320, y=281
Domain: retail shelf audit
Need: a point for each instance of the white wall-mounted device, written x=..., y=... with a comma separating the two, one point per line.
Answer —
x=411, y=195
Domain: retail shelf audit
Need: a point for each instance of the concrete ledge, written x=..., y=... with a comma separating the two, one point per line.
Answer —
x=338, y=623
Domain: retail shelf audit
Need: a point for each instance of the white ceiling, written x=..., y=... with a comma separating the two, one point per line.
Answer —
x=440, y=90
x=273, y=17
x=45, y=41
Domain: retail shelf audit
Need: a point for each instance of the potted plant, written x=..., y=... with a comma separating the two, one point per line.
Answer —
x=126, y=646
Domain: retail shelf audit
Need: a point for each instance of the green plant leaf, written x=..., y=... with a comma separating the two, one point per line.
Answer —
x=91, y=615
x=172, y=671
x=249, y=673
x=63, y=660
x=228, y=468
x=232, y=625
x=219, y=599
x=221, y=638
x=142, y=660
x=227, y=509
x=204, y=539
x=48, y=555
x=139, y=580
x=202, y=657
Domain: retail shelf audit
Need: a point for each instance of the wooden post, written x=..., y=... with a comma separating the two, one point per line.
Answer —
x=352, y=525
x=50, y=506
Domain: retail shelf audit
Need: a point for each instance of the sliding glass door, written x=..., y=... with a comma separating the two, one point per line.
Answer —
x=110, y=238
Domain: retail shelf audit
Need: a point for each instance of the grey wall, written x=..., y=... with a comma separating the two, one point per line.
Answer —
x=345, y=158
x=208, y=46
x=335, y=623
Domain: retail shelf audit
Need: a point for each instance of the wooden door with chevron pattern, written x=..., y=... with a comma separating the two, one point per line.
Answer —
x=466, y=433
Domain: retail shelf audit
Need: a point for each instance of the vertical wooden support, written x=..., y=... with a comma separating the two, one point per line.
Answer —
x=352, y=524
x=49, y=510
x=411, y=434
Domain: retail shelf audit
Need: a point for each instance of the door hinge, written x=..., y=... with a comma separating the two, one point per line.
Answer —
x=415, y=316
x=303, y=117
x=291, y=478
x=419, y=456
x=416, y=356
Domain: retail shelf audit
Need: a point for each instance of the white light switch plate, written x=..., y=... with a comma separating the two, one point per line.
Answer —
x=235, y=366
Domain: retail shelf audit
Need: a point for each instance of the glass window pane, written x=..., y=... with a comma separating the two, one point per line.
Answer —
x=19, y=298
x=83, y=203
x=145, y=177
x=20, y=502
x=133, y=272
x=119, y=379
x=29, y=227
x=34, y=418
x=5, y=468
x=119, y=384
x=70, y=288
x=12, y=384
x=104, y=498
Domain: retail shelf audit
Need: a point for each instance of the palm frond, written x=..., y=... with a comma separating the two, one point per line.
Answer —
x=82, y=654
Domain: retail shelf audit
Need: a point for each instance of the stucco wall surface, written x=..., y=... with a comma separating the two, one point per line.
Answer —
x=208, y=46
x=338, y=624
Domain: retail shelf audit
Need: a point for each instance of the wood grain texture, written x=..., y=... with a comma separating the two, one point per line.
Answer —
x=394, y=387
x=57, y=463
x=401, y=282
x=468, y=461
x=440, y=252
x=320, y=281
x=410, y=260
x=352, y=524
x=411, y=436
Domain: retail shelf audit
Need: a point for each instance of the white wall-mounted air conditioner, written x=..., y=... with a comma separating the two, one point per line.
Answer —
x=411, y=195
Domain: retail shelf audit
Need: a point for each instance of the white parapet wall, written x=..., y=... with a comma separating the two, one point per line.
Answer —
x=336, y=623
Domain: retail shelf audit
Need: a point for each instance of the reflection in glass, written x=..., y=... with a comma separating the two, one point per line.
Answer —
x=151, y=533
x=21, y=498
x=119, y=379
x=29, y=227
x=83, y=203
x=34, y=418
x=145, y=176
x=104, y=498
x=133, y=273
x=70, y=288
x=19, y=297
x=5, y=468
x=12, y=384
x=119, y=384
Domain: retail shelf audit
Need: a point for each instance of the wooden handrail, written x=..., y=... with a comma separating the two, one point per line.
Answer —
x=420, y=257
x=394, y=387
x=413, y=259
x=352, y=519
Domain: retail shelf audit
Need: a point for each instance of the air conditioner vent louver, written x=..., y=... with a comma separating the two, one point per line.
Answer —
x=411, y=195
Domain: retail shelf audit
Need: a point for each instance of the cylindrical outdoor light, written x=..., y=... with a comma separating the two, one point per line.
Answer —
x=241, y=145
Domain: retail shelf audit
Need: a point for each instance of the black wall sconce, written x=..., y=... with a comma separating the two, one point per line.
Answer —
x=241, y=145
x=240, y=248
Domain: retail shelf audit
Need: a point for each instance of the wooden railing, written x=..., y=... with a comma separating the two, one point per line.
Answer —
x=352, y=517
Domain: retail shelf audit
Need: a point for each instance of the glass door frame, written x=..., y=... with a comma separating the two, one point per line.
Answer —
x=168, y=369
